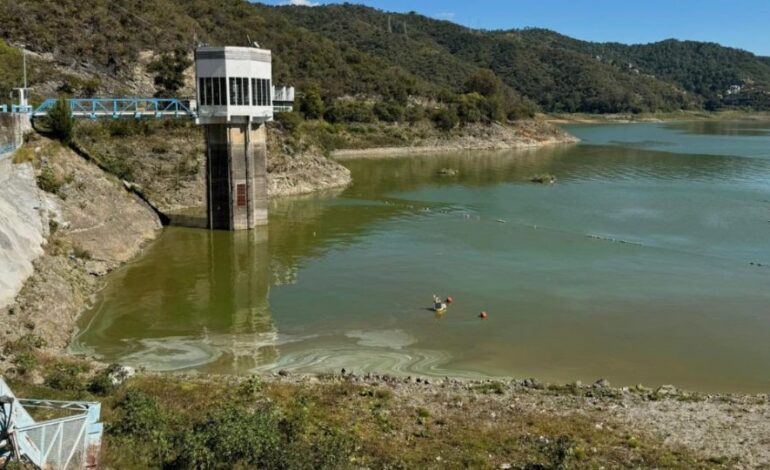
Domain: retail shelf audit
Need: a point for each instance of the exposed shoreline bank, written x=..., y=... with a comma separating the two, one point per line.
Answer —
x=678, y=116
x=397, y=152
x=521, y=135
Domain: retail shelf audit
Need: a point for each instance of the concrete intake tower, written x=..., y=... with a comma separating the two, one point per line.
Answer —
x=234, y=97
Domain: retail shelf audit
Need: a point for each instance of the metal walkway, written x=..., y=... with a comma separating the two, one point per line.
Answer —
x=70, y=442
x=116, y=108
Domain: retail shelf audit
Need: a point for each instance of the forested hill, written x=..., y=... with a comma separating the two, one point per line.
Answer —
x=351, y=50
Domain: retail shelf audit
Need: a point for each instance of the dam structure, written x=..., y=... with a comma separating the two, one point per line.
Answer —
x=234, y=96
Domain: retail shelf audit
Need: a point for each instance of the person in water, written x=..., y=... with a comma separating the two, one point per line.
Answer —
x=438, y=305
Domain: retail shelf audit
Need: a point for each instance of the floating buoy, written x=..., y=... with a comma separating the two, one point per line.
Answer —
x=449, y=299
x=483, y=315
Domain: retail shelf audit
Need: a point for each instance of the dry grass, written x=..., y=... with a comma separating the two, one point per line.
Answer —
x=401, y=427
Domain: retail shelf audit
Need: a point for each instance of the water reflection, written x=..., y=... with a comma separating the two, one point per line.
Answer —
x=568, y=163
x=724, y=128
x=198, y=299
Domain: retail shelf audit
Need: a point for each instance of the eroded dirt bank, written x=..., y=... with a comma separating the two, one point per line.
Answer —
x=166, y=162
x=97, y=226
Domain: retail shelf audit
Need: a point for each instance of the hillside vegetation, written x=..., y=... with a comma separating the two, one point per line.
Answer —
x=348, y=50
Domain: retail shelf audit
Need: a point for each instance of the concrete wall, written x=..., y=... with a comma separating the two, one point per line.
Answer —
x=236, y=159
x=24, y=211
x=13, y=126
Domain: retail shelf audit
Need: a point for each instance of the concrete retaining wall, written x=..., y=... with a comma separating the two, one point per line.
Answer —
x=13, y=126
x=24, y=213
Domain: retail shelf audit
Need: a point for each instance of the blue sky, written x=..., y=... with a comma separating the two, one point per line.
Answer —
x=737, y=23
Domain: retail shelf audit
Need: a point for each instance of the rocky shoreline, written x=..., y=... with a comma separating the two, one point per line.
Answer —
x=674, y=116
x=720, y=429
x=528, y=134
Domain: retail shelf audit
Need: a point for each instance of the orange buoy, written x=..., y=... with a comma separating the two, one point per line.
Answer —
x=483, y=315
x=449, y=299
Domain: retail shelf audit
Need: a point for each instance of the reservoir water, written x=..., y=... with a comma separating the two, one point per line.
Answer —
x=648, y=262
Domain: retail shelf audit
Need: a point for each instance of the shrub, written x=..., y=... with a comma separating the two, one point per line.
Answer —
x=48, y=181
x=24, y=363
x=144, y=422
x=119, y=167
x=351, y=111
x=389, y=111
x=66, y=376
x=233, y=435
x=330, y=449
x=290, y=121
x=469, y=108
x=484, y=82
x=415, y=114
x=86, y=88
x=250, y=388
x=60, y=121
x=169, y=72
x=22, y=352
x=446, y=119
x=139, y=414
x=128, y=128
x=102, y=382
x=24, y=154
x=80, y=252
x=310, y=103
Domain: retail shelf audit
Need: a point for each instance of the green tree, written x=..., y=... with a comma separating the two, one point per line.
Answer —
x=389, y=111
x=484, y=82
x=415, y=114
x=311, y=104
x=446, y=119
x=169, y=72
x=60, y=121
x=290, y=121
x=349, y=111
x=468, y=107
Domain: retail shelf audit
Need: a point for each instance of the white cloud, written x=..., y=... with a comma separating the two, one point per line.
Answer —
x=301, y=3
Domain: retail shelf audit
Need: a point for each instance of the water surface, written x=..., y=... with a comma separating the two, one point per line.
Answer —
x=648, y=261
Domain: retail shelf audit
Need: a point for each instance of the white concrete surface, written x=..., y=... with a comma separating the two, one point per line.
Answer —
x=24, y=211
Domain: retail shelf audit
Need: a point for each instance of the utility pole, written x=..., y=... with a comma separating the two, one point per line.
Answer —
x=24, y=64
x=406, y=33
x=390, y=28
